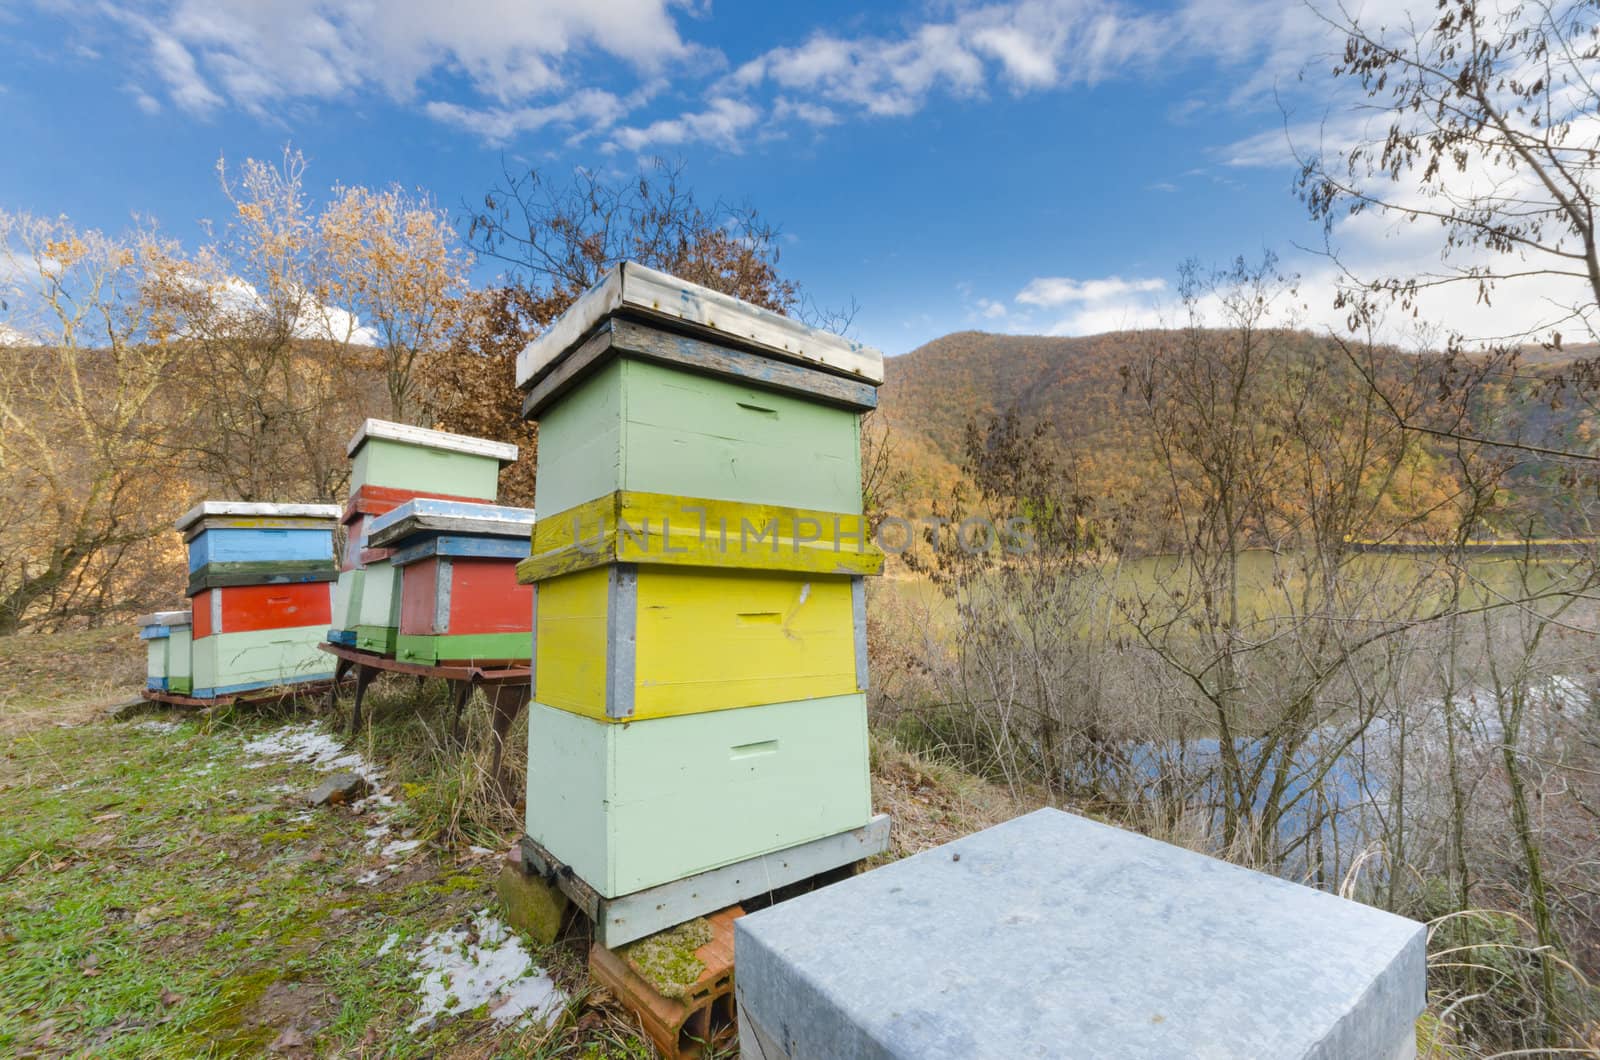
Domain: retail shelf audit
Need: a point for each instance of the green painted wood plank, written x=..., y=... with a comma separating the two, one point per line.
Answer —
x=380, y=596
x=580, y=444
x=380, y=639
x=633, y=806
x=347, y=599
x=260, y=655
x=383, y=462
x=180, y=655
x=695, y=436
x=463, y=647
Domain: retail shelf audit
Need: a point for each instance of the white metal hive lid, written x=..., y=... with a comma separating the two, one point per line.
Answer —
x=428, y=438
x=257, y=508
x=165, y=618
x=434, y=515
x=650, y=293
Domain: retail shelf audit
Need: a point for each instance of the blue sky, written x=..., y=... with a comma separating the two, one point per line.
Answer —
x=1034, y=166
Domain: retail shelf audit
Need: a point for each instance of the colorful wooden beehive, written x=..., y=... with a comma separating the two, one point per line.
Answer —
x=699, y=616
x=261, y=580
x=167, y=652
x=460, y=601
x=392, y=463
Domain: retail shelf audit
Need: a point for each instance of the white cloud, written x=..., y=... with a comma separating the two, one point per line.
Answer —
x=253, y=54
x=814, y=114
x=591, y=109
x=1050, y=291
x=723, y=124
x=1031, y=45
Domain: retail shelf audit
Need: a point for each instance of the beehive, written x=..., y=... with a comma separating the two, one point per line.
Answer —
x=167, y=651
x=699, y=616
x=459, y=596
x=261, y=592
x=392, y=463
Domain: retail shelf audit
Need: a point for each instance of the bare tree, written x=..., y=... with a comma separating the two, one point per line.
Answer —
x=82, y=415
x=393, y=261
x=272, y=373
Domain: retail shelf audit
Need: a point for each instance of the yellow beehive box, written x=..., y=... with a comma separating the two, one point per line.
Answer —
x=626, y=642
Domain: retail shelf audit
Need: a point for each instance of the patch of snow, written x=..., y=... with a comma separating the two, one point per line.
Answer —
x=457, y=976
x=311, y=745
x=375, y=836
x=388, y=944
x=378, y=801
x=371, y=877
x=401, y=846
x=156, y=725
x=480, y=852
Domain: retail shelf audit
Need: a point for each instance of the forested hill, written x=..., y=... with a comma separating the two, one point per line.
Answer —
x=1076, y=386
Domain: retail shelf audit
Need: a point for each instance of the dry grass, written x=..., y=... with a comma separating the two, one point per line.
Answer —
x=67, y=678
x=932, y=802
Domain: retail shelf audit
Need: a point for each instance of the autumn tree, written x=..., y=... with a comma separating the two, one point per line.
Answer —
x=84, y=417
x=556, y=240
x=1476, y=120
x=395, y=263
x=273, y=374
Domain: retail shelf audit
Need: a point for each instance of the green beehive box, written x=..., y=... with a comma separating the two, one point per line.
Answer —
x=629, y=807
x=227, y=663
x=400, y=456
x=168, y=661
x=347, y=598
x=639, y=426
x=378, y=617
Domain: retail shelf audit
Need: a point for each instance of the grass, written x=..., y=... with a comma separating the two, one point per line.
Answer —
x=165, y=892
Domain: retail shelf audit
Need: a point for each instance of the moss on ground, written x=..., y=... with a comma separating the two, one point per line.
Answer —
x=667, y=961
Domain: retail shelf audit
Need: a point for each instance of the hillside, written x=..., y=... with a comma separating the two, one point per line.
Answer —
x=1076, y=386
x=930, y=394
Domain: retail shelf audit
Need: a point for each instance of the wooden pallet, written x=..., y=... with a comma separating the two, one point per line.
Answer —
x=618, y=921
x=255, y=695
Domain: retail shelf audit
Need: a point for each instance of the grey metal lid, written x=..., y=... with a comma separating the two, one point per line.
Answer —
x=255, y=508
x=643, y=291
x=427, y=438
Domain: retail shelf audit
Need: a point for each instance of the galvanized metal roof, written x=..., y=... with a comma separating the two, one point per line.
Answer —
x=645, y=292
x=433, y=515
x=406, y=434
x=256, y=508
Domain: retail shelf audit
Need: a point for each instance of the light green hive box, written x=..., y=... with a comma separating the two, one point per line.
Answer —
x=227, y=662
x=378, y=615
x=347, y=599
x=633, y=425
x=179, y=660
x=168, y=656
x=399, y=456
x=632, y=806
